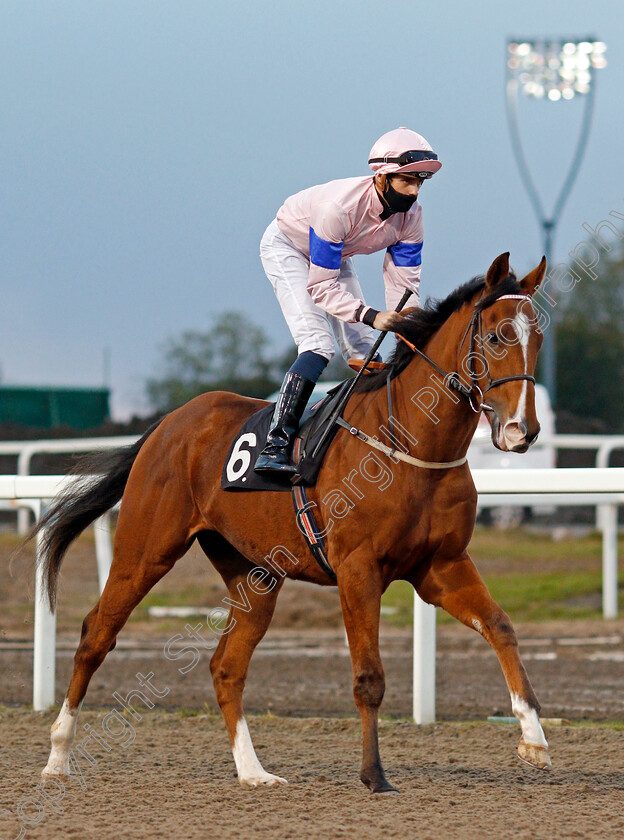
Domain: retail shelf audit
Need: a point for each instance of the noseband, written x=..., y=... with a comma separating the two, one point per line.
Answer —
x=474, y=394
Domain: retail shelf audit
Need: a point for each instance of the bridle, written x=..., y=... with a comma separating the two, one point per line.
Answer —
x=475, y=394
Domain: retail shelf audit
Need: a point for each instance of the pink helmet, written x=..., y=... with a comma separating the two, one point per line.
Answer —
x=402, y=150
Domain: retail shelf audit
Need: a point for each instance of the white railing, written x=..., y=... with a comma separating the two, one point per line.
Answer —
x=603, y=487
x=496, y=487
x=25, y=450
x=31, y=493
x=603, y=445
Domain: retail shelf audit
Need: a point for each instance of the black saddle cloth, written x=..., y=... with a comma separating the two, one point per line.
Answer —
x=238, y=472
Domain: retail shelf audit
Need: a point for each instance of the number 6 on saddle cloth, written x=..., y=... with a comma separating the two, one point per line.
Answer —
x=238, y=473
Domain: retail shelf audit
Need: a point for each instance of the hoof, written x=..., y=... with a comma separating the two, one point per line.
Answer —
x=265, y=779
x=387, y=790
x=534, y=755
x=55, y=770
x=377, y=782
x=56, y=773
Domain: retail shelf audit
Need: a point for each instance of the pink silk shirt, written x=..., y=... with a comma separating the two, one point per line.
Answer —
x=331, y=222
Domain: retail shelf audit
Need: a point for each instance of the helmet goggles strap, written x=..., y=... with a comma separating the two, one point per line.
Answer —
x=407, y=158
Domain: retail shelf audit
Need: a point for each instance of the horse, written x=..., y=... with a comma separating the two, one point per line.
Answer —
x=385, y=517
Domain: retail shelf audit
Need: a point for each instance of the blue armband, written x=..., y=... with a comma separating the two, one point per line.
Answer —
x=323, y=253
x=406, y=254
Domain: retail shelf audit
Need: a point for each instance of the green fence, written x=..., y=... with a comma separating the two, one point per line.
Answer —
x=80, y=408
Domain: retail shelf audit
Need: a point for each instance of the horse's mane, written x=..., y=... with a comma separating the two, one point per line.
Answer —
x=421, y=324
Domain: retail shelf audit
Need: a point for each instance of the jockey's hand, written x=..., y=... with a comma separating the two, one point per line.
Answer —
x=386, y=321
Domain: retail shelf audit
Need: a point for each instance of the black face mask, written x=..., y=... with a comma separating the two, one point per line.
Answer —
x=395, y=202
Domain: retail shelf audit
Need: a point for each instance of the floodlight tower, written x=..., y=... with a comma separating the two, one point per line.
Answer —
x=556, y=69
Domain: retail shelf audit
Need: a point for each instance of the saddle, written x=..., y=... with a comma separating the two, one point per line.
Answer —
x=371, y=367
x=238, y=473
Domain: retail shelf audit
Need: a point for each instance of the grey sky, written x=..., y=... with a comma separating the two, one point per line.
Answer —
x=146, y=146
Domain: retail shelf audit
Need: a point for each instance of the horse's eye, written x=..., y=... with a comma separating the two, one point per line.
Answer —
x=492, y=338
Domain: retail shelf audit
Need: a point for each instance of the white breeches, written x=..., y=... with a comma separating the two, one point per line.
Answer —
x=311, y=327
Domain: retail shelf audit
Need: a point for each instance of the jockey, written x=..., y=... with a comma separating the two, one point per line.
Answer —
x=306, y=253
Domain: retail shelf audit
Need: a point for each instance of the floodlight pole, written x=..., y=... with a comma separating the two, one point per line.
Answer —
x=548, y=224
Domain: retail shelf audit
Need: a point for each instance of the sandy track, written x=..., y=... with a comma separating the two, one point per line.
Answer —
x=456, y=780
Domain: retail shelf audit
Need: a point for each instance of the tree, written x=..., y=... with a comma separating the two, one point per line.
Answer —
x=230, y=356
x=590, y=346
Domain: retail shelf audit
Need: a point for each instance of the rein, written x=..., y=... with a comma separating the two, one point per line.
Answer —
x=452, y=380
x=474, y=394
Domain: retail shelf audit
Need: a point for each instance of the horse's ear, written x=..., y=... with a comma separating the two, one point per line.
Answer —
x=497, y=272
x=532, y=281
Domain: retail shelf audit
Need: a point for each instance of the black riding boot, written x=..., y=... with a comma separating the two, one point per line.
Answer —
x=293, y=398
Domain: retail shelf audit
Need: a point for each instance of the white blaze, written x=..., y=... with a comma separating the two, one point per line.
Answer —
x=522, y=327
x=523, y=330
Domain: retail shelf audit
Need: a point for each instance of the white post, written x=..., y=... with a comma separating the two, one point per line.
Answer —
x=424, y=661
x=600, y=514
x=44, y=660
x=103, y=548
x=23, y=468
x=609, y=517
x=23, y=521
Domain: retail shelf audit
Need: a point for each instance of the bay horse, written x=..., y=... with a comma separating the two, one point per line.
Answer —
x=413, y=525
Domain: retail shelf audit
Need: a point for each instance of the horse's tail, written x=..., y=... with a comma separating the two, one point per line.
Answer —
x=104, y=478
